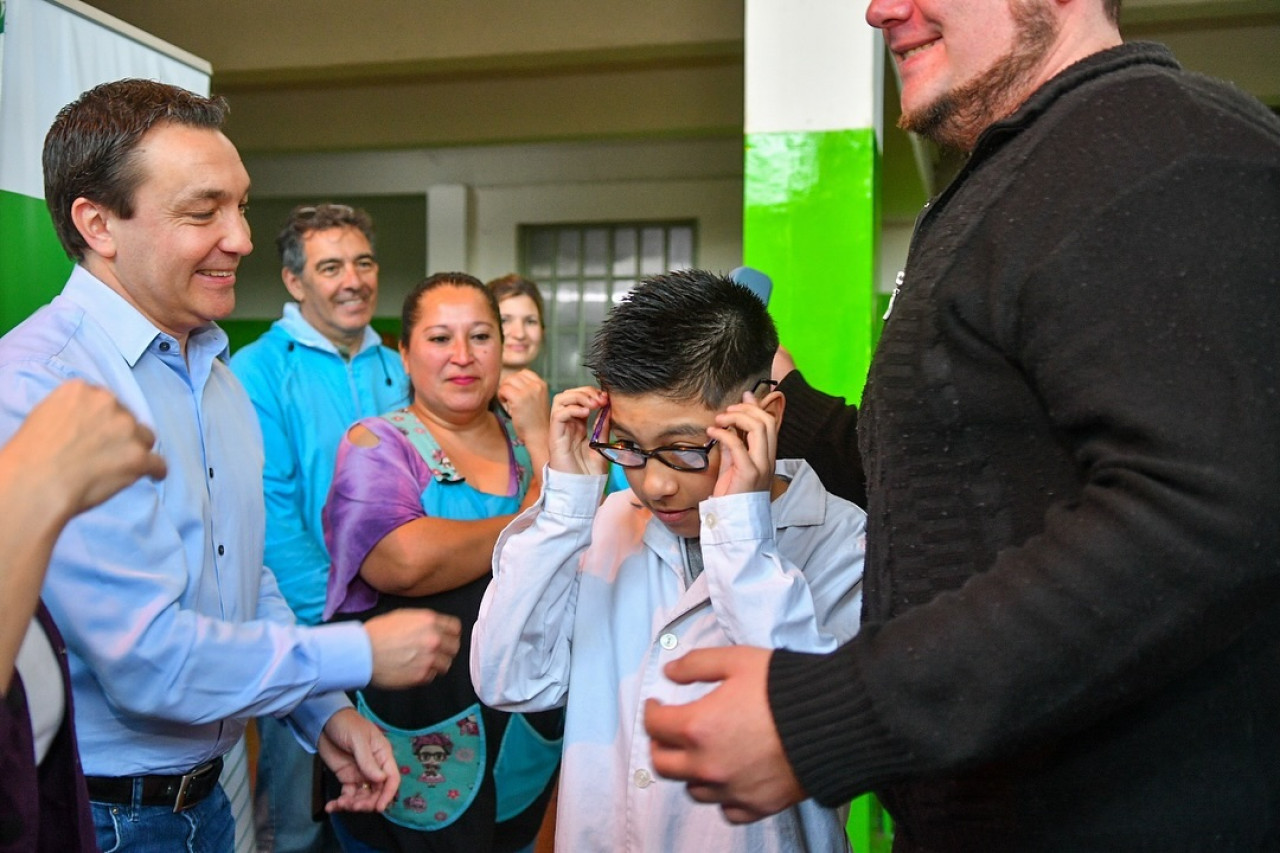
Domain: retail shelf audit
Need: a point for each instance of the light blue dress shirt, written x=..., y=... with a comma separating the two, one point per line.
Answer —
x=176, y=633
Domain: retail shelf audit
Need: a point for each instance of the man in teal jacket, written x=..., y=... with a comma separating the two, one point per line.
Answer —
x=317, y=370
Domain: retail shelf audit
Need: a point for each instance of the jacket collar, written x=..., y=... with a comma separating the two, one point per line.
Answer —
x=293, y=324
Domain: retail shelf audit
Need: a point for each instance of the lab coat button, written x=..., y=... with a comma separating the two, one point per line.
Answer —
x=643, y=779
x=668, y=641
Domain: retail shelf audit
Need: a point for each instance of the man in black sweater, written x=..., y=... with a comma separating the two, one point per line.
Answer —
x=1071, y=437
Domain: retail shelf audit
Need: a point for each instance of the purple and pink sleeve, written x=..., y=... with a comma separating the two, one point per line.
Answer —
x=374, y=491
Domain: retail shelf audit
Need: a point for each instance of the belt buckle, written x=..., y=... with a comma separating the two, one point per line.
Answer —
x=180, y=801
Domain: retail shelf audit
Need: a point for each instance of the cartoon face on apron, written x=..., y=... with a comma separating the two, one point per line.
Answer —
x=441, y=768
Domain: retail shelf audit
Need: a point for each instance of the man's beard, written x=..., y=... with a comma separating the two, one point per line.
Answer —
x=956, y=118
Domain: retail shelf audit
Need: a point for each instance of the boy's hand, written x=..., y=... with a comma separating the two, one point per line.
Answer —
x=748, y=437
x=570, y=450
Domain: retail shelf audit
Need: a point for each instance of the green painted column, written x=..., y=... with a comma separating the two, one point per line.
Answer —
x=810, y=207
x=810, y=215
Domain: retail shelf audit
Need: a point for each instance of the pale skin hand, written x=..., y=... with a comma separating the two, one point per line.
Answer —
x=724, y=746
x=570, y=435
x=75, y=449
x=411, y=646
x=524, y=395
x=360, y=756
x=745, y=466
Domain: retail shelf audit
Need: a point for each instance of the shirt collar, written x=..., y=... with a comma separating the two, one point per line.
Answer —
x=130, y=331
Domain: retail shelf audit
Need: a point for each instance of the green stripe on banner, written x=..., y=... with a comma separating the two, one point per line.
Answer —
x=810, y=221
x=33, y=267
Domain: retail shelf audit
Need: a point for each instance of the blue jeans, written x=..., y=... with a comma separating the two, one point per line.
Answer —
x=206, y=827
x=282, y=797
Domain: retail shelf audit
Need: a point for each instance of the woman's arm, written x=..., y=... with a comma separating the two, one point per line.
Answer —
x=376, y=528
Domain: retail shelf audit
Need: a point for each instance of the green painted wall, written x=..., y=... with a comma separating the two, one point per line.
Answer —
x=33, y=266
x=810, y=220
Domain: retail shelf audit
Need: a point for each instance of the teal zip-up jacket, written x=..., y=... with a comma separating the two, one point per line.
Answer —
x=306, y=395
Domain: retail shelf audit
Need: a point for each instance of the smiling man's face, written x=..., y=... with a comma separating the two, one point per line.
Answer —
x=965, y=65
x=175, y=258
x=338, y=289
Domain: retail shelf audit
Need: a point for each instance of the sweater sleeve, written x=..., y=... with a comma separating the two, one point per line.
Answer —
x=823, y=431
x=1149, y=332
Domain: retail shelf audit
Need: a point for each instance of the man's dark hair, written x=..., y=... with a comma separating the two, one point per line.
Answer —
x=306, y=218
x=513, y=284
x=413, y=301
x=688, y=334
x=90, y=150
x=1112, y=8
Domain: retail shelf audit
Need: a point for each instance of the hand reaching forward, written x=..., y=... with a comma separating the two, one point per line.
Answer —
x=748, y=437
x=360, y=756
x=570, y=438
x=411, y=646
x=725, y=745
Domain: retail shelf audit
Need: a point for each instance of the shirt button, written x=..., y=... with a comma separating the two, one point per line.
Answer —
x=668, y=641
x=709, y=520
x=221, y=550
x=164, y=346
x=643, y=779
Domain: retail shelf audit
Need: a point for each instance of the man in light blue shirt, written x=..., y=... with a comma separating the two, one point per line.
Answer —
x=176, y=635
x=316, y=371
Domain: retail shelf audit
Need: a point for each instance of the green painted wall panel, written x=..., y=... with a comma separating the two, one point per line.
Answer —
x=810, y=220
x=33, y=267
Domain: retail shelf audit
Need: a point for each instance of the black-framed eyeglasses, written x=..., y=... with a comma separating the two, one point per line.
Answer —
x=769, y=385
x=678, y=457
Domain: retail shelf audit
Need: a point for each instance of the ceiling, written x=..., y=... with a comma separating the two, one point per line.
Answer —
x=323, y=75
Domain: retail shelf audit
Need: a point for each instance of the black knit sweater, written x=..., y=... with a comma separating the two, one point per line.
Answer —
x=1071, y=434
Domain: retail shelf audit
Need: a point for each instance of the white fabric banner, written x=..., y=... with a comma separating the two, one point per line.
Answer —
x=53, y=51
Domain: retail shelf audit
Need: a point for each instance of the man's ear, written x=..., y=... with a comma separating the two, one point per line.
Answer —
x=293, y=284
x=93, y=221
x=775, y=403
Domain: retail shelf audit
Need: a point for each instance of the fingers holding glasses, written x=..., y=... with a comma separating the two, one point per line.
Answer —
x=570, y=437
x=748, y=437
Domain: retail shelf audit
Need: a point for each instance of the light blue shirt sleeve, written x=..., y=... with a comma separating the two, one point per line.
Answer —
x=176, y=634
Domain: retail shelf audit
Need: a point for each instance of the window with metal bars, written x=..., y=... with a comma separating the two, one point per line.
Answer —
x=583, y=270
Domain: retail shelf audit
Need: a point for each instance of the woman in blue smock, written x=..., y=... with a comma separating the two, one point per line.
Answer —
x=419, y=497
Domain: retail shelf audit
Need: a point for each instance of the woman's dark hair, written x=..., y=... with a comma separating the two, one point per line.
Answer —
x=412, y=308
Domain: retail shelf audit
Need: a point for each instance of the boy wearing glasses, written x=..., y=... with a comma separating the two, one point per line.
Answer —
x=717, y=543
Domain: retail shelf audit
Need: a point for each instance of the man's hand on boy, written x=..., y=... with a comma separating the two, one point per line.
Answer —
x=748, y=437
x=570, y=436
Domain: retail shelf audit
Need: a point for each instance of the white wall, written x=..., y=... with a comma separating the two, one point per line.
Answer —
x=507, y=186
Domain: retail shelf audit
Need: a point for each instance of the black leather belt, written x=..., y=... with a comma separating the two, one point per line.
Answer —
x=181, y=792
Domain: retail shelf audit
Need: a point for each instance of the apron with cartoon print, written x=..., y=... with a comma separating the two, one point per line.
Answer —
x=464, y=767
